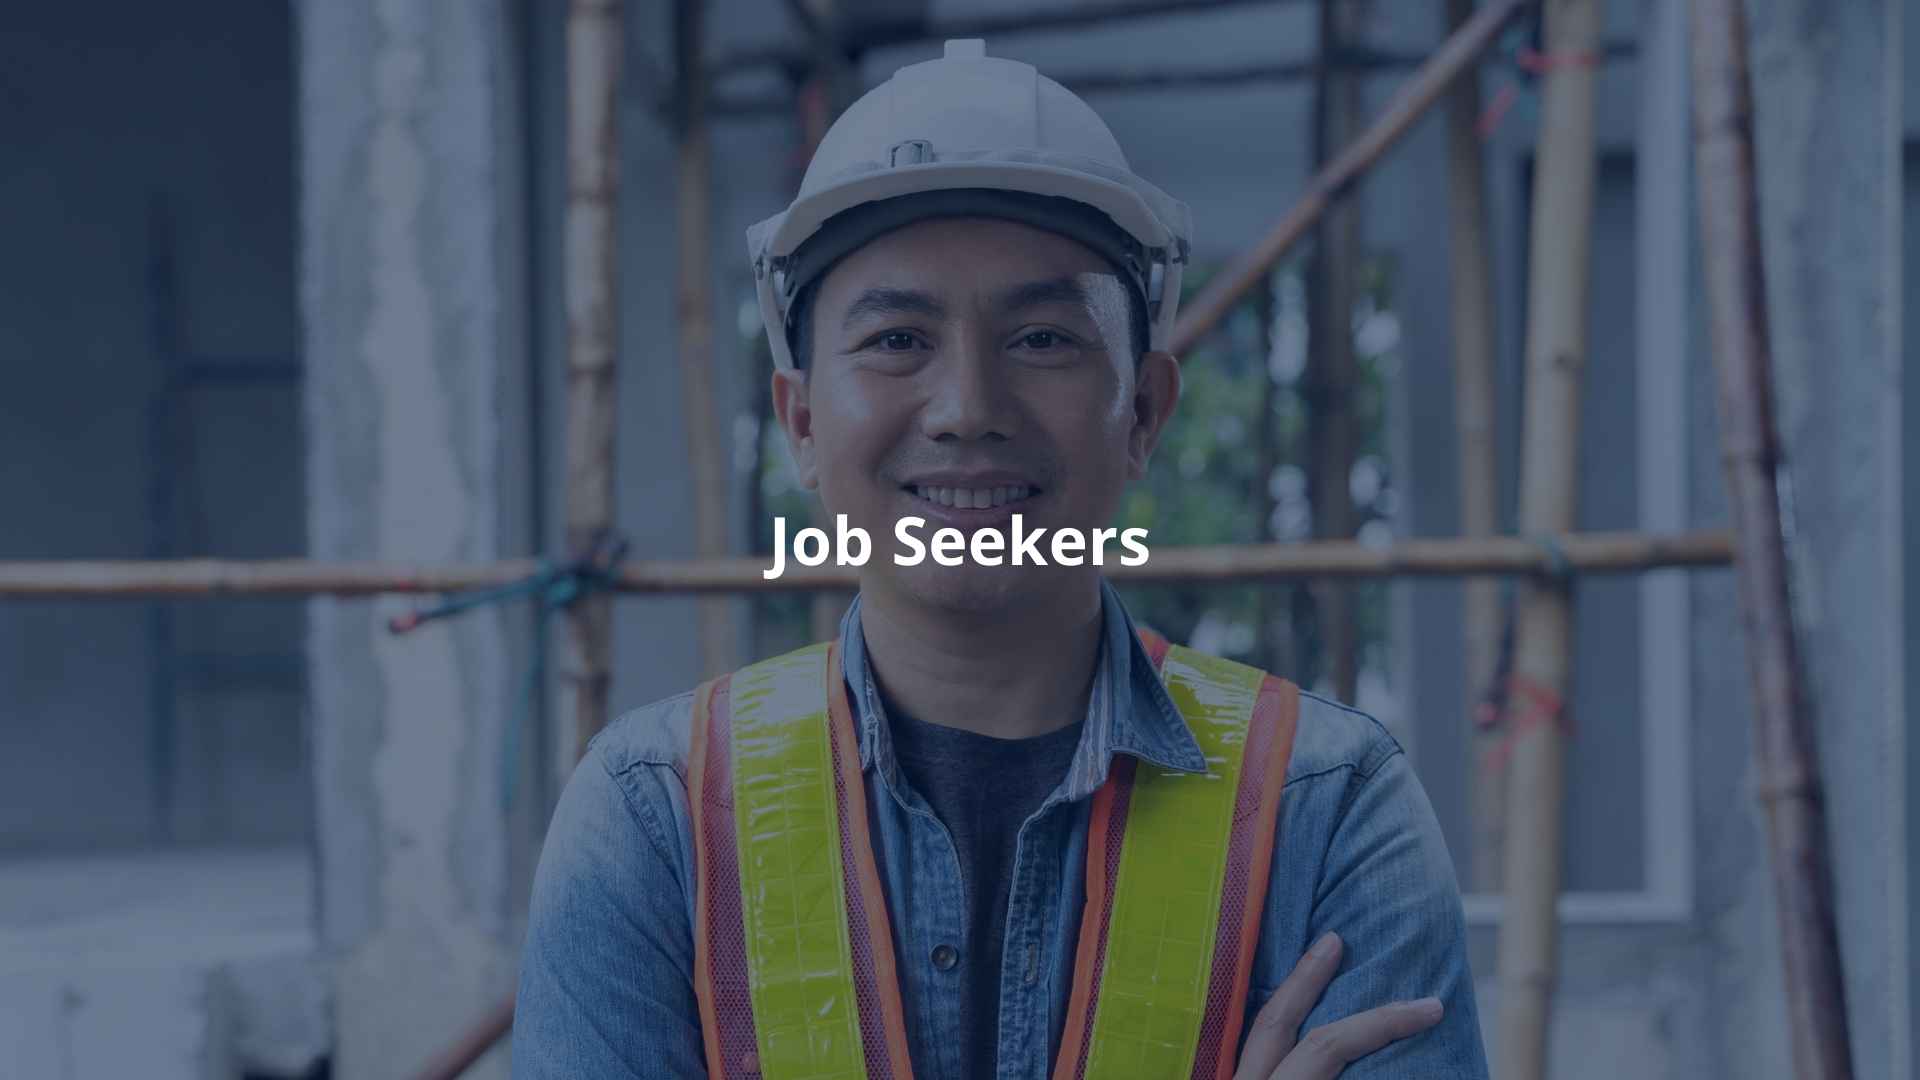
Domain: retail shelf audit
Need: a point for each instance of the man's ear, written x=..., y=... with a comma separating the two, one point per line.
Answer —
x=795, y=414
x=1156, y=391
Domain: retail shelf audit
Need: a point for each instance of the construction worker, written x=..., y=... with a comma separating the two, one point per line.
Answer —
x=995, y=829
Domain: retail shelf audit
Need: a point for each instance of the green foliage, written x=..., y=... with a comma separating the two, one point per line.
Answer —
x=1242, y=413
x=1205, y=483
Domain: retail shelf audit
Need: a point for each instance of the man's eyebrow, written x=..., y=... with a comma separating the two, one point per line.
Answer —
x=1060, y=290
x=884, y=301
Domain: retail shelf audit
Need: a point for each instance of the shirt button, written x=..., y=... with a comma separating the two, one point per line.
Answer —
x=945, y=956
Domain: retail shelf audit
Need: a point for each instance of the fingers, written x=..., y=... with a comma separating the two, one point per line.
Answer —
x=1326, y=1050
x=1274, y=1030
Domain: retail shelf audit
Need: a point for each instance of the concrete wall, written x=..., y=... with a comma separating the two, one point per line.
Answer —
x=149, y=405
x=1828, y=96
x=414, y=317
x=146, y=194
x=173, y=966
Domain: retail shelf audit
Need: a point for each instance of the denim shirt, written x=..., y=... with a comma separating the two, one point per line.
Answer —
x=606, y=982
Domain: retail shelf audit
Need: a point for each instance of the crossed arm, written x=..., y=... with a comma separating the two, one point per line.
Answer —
x=1277, y=1049
x=1385, y=887
x=606, y=985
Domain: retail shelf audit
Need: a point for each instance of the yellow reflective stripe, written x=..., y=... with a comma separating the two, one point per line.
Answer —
x=1166, y=904
x=793, y=903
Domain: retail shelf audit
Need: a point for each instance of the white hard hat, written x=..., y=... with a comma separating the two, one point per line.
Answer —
x=962, y=135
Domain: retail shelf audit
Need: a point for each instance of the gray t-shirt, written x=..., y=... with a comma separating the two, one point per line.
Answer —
x=982, y=789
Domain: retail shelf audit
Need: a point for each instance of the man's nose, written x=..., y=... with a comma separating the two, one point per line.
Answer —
x=970, y=399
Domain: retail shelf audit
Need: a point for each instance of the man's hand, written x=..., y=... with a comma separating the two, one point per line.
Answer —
x=1274, y=1050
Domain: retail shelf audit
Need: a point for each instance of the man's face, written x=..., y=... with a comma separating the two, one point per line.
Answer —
x=962, y=371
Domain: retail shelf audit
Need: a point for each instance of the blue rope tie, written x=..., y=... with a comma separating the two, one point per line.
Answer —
x=554, y=587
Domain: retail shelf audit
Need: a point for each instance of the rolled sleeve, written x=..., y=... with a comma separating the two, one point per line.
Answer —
x=606, y=981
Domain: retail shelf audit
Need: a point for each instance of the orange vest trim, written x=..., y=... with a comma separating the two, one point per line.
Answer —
x=721, y=970
x=1249, y=864
x=723, y=975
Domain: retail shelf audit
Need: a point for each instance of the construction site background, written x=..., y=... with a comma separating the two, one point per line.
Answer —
x=285, y=280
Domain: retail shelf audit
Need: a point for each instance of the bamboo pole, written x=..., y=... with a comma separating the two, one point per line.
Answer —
x=591, y=282
x=693, y=317
x=1789, y=787
x=1409, y=104
x=1561, y=234
x=1178, y=79
x=1470, y=277
x=884, y=33
x=187, y=579
x=1272, y=626
x=1349, y=59
x=593, y=181
x=1333, y=281
x=759, y=520
x=827, y=91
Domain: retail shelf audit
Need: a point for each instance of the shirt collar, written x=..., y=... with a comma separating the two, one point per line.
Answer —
x=1128, y=710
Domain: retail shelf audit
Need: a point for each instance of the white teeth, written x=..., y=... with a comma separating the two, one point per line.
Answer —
x=973, y=498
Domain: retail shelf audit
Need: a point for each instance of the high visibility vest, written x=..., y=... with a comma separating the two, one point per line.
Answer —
x=794, y=964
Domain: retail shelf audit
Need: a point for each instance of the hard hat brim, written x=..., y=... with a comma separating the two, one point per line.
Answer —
x=1152, y=217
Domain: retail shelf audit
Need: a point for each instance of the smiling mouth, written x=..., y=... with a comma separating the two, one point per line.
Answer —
x=973, y=498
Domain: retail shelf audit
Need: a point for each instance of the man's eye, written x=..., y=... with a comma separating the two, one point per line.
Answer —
x=1043, y=340
x=895, y=341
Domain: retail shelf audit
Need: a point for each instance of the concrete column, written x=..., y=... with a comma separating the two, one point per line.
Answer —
x=1827, y=120
x=410, y=300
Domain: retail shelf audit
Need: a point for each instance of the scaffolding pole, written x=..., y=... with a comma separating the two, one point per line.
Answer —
x=1561, y=236
x=1788, y=781
x=881, y=34
x=592, y=244
x=1332, y=435
x=693, y=317
x=830, y=86
x=1425, y=87
x=1470, y=280
x=1178, y=79
x=187, y=579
